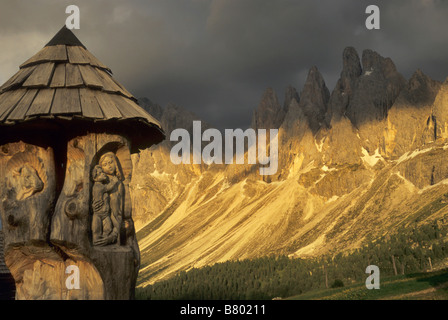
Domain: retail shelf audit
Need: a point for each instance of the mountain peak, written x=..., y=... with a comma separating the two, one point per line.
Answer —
x=351, y=65
x=374, y=62
x=370, y=59
x=269, y=114
x=291, y=95
x=314, y=99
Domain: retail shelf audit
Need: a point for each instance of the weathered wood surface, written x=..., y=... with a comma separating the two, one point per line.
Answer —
x=90, y=77
x=9, y=102
x=108, y=107
x=73, y=76
x=40, y=274
x=17, y=79
x=50, y=53
x=58, y=80
x=65, y=200
x=76, y=55
x=66, y=101
x=22, y=107
x=64, y=67
x=89, y=104
x=93, y=61
x=108, y=84
x=45, y=235
x=42, y=56
x=27, y=191
x=41, y=76
x=42, y=102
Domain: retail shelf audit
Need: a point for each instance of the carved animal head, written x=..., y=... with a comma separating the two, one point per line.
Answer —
x=26, y=181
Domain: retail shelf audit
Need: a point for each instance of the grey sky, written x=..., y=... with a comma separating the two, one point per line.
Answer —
x=216, y=57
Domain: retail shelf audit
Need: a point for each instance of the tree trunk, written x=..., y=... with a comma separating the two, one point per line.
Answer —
x=48, y=228
x=326, y=277
x=393, y=263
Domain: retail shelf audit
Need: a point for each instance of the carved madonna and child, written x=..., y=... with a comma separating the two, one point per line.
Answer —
x=107, y=201
x=90, y=218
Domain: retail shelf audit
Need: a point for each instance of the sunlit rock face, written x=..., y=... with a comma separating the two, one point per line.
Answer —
x=355, y=162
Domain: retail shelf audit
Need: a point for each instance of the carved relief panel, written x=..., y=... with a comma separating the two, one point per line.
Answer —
x=27, y=191
x=88, y=221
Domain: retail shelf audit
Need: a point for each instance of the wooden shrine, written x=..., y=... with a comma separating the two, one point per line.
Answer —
x=67, y=132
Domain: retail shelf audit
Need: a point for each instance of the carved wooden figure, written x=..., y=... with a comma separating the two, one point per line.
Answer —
x=67, y=132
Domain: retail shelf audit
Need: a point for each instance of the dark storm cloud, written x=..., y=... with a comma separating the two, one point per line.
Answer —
x=217, y=57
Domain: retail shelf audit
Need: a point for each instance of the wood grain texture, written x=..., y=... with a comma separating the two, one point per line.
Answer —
x=54, y=78
x=90, y=77
x=11, y=80
x=71, y=223
x=107, y=106
x=38, y=57
x=89, y=104
x=66, y=101
x=140, y=111
x=123, y=89
x=73, y=76
x=4, y=107
x=22, y=107
x=108, y=84
x=18, y=78
x=93, y=60
x=57, y=53
x=76, y=55
x=41, y=76
x=58, y=80
x=29, y=216
x=9, y=103
x=126, y=110
x=42, y=102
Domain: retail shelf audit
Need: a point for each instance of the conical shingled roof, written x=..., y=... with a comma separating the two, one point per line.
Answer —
x=64, y=87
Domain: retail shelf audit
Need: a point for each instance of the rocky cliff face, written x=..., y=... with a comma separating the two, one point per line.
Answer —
x=269, y=114
x=356, y=163
x=156, y=180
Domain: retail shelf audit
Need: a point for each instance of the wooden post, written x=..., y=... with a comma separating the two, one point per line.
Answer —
x=108, y=268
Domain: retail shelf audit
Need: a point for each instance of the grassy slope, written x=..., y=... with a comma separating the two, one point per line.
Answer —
x=419, y=286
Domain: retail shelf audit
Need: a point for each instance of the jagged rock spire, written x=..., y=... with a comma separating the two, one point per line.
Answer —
x=314, y=99
x=269, y=114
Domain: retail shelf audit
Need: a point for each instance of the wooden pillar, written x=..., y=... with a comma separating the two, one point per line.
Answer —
x=87, y=224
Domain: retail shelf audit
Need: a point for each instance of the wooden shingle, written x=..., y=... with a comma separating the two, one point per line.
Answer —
x=66, y=101
x=90, y=76
x=89, y=104
x=17, y=79
x=11, y=100
x=107, y=106
x=58, y=80
x=73, y=76
x=76, y=56
x=19, y=112
x=42, y=103
x=41, y=76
